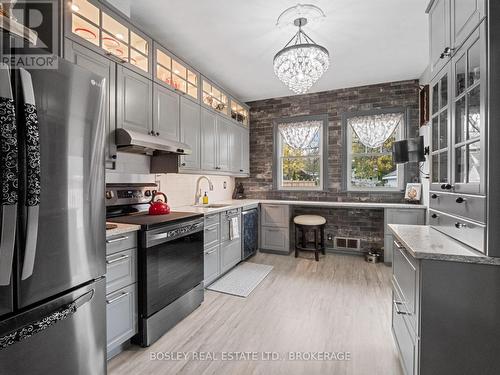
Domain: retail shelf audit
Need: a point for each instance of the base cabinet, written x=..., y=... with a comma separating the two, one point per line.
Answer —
x=444, y=315
x=230, y=255
x=121, y=291
x=275, y=228
x=212, y=269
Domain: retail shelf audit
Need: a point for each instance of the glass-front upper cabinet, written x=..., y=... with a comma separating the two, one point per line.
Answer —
x=469, y=115
x=214, y=98
x=239, y=113
x=440, y=173
x=97, y=27
x=175, y=74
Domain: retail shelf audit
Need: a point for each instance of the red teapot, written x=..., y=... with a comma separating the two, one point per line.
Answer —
x=158, y=204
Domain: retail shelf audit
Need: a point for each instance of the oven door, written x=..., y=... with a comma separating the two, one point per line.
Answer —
x=170, y=267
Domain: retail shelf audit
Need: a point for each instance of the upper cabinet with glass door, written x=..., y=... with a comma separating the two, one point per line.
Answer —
x=239, y=113
x=96, y=26
x=175, y=74
x=469, y=67
x=214, y=98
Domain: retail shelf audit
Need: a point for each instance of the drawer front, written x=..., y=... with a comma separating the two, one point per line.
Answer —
x=121, y=316
x=211, y=235
x=467, y=206
x=230, y=255
x=405, y=274
x=468, y=232
x=405, y=341
x=275, y=215
x=121, y=242
x=404, y=216
x=212, y=270
x=121, y=270
x=211, y=220
x=276, y=239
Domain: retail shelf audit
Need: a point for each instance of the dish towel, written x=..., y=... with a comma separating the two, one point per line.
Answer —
x=234, y=228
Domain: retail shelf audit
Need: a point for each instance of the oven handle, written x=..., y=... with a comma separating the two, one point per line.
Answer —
x=199, y=227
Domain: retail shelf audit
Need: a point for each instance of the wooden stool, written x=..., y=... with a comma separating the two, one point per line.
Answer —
x=305, y=224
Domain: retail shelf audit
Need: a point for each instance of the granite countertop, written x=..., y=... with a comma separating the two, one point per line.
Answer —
x=241, y=203
x=121, y=229
x=344, y=204
x=424, y=242
x=227, y=205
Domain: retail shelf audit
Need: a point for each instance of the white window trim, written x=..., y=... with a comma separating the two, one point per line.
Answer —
x=278, y=163
x=399, y=167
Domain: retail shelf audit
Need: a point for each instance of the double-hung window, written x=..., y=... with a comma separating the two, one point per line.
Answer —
x=300, y=146
x=369, y=137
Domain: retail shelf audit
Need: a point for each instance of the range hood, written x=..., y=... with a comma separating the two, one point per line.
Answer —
x=139, y=143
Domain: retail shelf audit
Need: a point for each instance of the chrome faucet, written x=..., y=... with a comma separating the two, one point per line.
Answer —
x=197, y=194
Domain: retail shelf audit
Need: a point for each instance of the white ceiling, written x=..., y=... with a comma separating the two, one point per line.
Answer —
x=234, y=41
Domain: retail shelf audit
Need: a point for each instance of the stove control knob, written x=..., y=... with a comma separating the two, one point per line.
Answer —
x=153, y=192
x=109, y=194
x=147, y=193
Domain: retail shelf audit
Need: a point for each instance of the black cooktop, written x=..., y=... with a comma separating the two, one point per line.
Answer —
x=147, y=221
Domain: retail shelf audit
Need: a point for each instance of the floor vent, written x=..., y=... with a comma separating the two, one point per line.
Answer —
x=345, y=243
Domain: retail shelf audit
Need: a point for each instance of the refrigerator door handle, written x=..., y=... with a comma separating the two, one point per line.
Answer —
x=9, y=176
x=32, y=173
x=32, y=328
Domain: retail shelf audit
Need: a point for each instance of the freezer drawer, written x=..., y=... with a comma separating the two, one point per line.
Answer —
x=73, y=344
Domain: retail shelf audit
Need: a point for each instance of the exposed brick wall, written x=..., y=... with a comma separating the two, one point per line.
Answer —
x=365, y=224
x=334, y=103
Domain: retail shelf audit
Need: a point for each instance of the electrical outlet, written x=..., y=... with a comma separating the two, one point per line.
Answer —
x=329, y=237
x=224, y=184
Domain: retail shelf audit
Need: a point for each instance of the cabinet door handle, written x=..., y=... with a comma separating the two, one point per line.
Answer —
x=434, y=216
x=183, y=164
x=113, y=300
x=460, y=225
x=120, y=258
x=447, y=52
x=210, y=229
x=118, y=239
x=157, y=134
x=398, y=311
x=210, y=252
x=460, y=200
x=434, y=196
x=398, y=244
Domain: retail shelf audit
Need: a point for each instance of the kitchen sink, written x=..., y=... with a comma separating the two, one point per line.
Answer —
x=212, y=205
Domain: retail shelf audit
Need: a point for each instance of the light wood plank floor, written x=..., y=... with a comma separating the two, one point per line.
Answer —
x=338, y=304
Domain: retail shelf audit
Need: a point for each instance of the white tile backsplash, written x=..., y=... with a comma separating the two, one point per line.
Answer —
x=180, y=188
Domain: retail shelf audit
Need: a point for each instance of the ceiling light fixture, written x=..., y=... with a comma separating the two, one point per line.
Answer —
x=301, y=62
x=75, y=8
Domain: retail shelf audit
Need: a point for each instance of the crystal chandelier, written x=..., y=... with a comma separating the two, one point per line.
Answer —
x=301, y=62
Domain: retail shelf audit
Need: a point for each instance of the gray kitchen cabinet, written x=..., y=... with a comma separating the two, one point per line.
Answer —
x=465, y=16
x=190, y=126
x=121, y=317
x=439, y=32
x=432, y=300
x=134, y=101
x=275, y=228
x=121, y=290
x=208, y=140
x=224, y=132
x=166, y=106
x=230, y=255
x=121, y=270
x=235, y=149
x=411, y=216
x=106, y=68
x=275, y=215
x=245, y=151
x=211, y=264
x=275, y=239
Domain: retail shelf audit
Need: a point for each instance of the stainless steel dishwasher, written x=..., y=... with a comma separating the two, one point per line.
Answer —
x=250, y=235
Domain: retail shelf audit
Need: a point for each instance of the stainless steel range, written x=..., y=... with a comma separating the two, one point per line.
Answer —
x=170, y=259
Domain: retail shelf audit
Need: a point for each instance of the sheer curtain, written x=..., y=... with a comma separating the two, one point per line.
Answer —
x=374, y=130
x=299, y=134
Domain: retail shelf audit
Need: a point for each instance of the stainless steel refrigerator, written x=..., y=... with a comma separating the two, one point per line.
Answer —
x=52, y=234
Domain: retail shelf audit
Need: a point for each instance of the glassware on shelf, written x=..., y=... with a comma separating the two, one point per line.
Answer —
x=176, y=75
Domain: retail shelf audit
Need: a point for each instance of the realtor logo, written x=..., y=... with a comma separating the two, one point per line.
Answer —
x=29, y=31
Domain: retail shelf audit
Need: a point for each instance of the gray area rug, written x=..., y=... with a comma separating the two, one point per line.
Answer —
x=242, y=280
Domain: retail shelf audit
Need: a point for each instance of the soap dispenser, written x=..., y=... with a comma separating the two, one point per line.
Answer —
x=205, y=198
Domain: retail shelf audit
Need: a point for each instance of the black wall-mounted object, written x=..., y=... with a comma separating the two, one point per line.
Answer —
x=409, y=151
